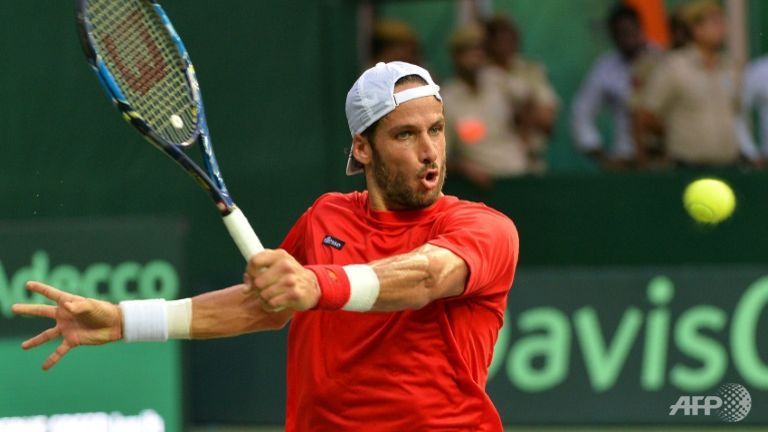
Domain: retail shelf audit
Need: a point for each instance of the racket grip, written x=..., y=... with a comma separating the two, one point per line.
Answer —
x=242, y=233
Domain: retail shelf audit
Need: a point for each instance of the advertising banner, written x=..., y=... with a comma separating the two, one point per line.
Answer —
x=634, y=345
x=115, y=387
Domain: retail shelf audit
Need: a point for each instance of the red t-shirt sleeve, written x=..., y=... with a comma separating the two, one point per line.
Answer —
x=488, y=243
x=294, y=242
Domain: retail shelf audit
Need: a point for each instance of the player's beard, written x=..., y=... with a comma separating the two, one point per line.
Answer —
x=394, y=185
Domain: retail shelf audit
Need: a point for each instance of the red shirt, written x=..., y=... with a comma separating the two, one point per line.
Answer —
x=413, y=370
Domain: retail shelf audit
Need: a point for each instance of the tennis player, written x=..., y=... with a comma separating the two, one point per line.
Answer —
x=395, y=294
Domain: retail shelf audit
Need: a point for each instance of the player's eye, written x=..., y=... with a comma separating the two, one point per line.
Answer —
x=436, y=130
x=404, y=135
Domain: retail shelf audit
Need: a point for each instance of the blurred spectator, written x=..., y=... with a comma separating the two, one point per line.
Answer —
x=395, y=40
x=526, y=83
x=692, y=97
x=481, y=143
x=679, y=36
x=610, y=83
x=755, y=96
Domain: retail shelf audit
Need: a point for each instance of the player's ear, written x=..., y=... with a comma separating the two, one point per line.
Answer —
x=361, y=149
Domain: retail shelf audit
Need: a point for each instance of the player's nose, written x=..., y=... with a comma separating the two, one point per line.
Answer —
x=428, y=149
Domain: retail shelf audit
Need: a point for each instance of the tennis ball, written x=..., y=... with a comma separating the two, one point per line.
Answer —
x=709, y=200
x=177, y=122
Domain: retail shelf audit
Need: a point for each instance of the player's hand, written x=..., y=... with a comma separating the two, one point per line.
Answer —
x=281, y=282
x=79, y=321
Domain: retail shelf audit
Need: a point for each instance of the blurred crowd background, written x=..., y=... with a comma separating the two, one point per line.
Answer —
x=673, y=88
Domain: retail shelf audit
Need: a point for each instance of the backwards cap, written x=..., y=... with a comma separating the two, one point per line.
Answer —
x=373, y=96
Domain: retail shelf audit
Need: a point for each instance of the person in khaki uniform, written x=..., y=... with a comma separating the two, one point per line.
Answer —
x=394, y=40
x=691, y=98
x=481, y=143
x=527, y=86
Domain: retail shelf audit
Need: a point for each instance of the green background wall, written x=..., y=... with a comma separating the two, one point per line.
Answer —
x=274, y=76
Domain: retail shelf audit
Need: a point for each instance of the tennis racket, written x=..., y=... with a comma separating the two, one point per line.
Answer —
x=143, y=66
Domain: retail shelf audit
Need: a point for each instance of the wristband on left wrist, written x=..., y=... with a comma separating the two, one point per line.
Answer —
x=351, y=287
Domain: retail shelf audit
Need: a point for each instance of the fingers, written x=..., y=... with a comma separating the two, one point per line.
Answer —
x=269, y=308
x=272, y=275
x=48, y=291
x=264, y=259
x=247, y=283
x=286, y=284
x=48, y=335
x=266, y=306
x=55, y=356
x=277, y=303
x=45, y=311
x=77, y=307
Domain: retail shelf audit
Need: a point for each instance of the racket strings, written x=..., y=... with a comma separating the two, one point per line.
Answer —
x=146, y=63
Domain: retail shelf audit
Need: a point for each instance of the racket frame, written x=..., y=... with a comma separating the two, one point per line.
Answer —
x=209, y=179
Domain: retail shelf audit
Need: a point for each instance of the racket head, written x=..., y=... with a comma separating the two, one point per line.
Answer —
x=143, y=66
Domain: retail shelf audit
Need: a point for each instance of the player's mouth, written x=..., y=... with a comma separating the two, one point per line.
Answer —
x=430, y=179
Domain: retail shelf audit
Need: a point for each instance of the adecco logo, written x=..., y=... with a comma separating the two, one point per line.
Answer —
x=127, y=280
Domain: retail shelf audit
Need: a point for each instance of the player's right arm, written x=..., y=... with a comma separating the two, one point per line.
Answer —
x=230, y=312
x=87, y=321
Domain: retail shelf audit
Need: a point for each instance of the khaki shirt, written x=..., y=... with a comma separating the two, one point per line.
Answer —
x=499, y=151
x=698, y=107
x=526, y=83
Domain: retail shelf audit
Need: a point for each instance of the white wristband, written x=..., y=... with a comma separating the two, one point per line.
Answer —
x=179, y=314
x=363, y=288
x=156, y=320
x=144, y=320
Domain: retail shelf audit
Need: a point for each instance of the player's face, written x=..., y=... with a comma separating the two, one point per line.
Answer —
x=408, y=155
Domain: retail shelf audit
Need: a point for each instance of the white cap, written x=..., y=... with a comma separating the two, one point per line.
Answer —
x=373, y=96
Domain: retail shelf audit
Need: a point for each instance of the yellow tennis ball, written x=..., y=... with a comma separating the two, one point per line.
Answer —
x=709, y=200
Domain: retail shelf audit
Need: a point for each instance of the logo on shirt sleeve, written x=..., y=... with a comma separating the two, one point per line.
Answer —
x=333, y=242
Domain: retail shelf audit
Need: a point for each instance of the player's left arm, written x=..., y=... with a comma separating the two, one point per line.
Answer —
x=460, y=262
x=417, y=278
x=406, y=281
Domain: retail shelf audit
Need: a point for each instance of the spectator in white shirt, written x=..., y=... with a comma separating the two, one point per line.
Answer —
x=754, y=97
x=610, y=84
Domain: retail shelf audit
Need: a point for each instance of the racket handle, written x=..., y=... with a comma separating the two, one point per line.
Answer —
x=242, y=233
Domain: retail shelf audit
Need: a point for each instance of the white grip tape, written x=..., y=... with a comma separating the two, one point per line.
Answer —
x=363, y=287
x=144, y=320
x=242, y=233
